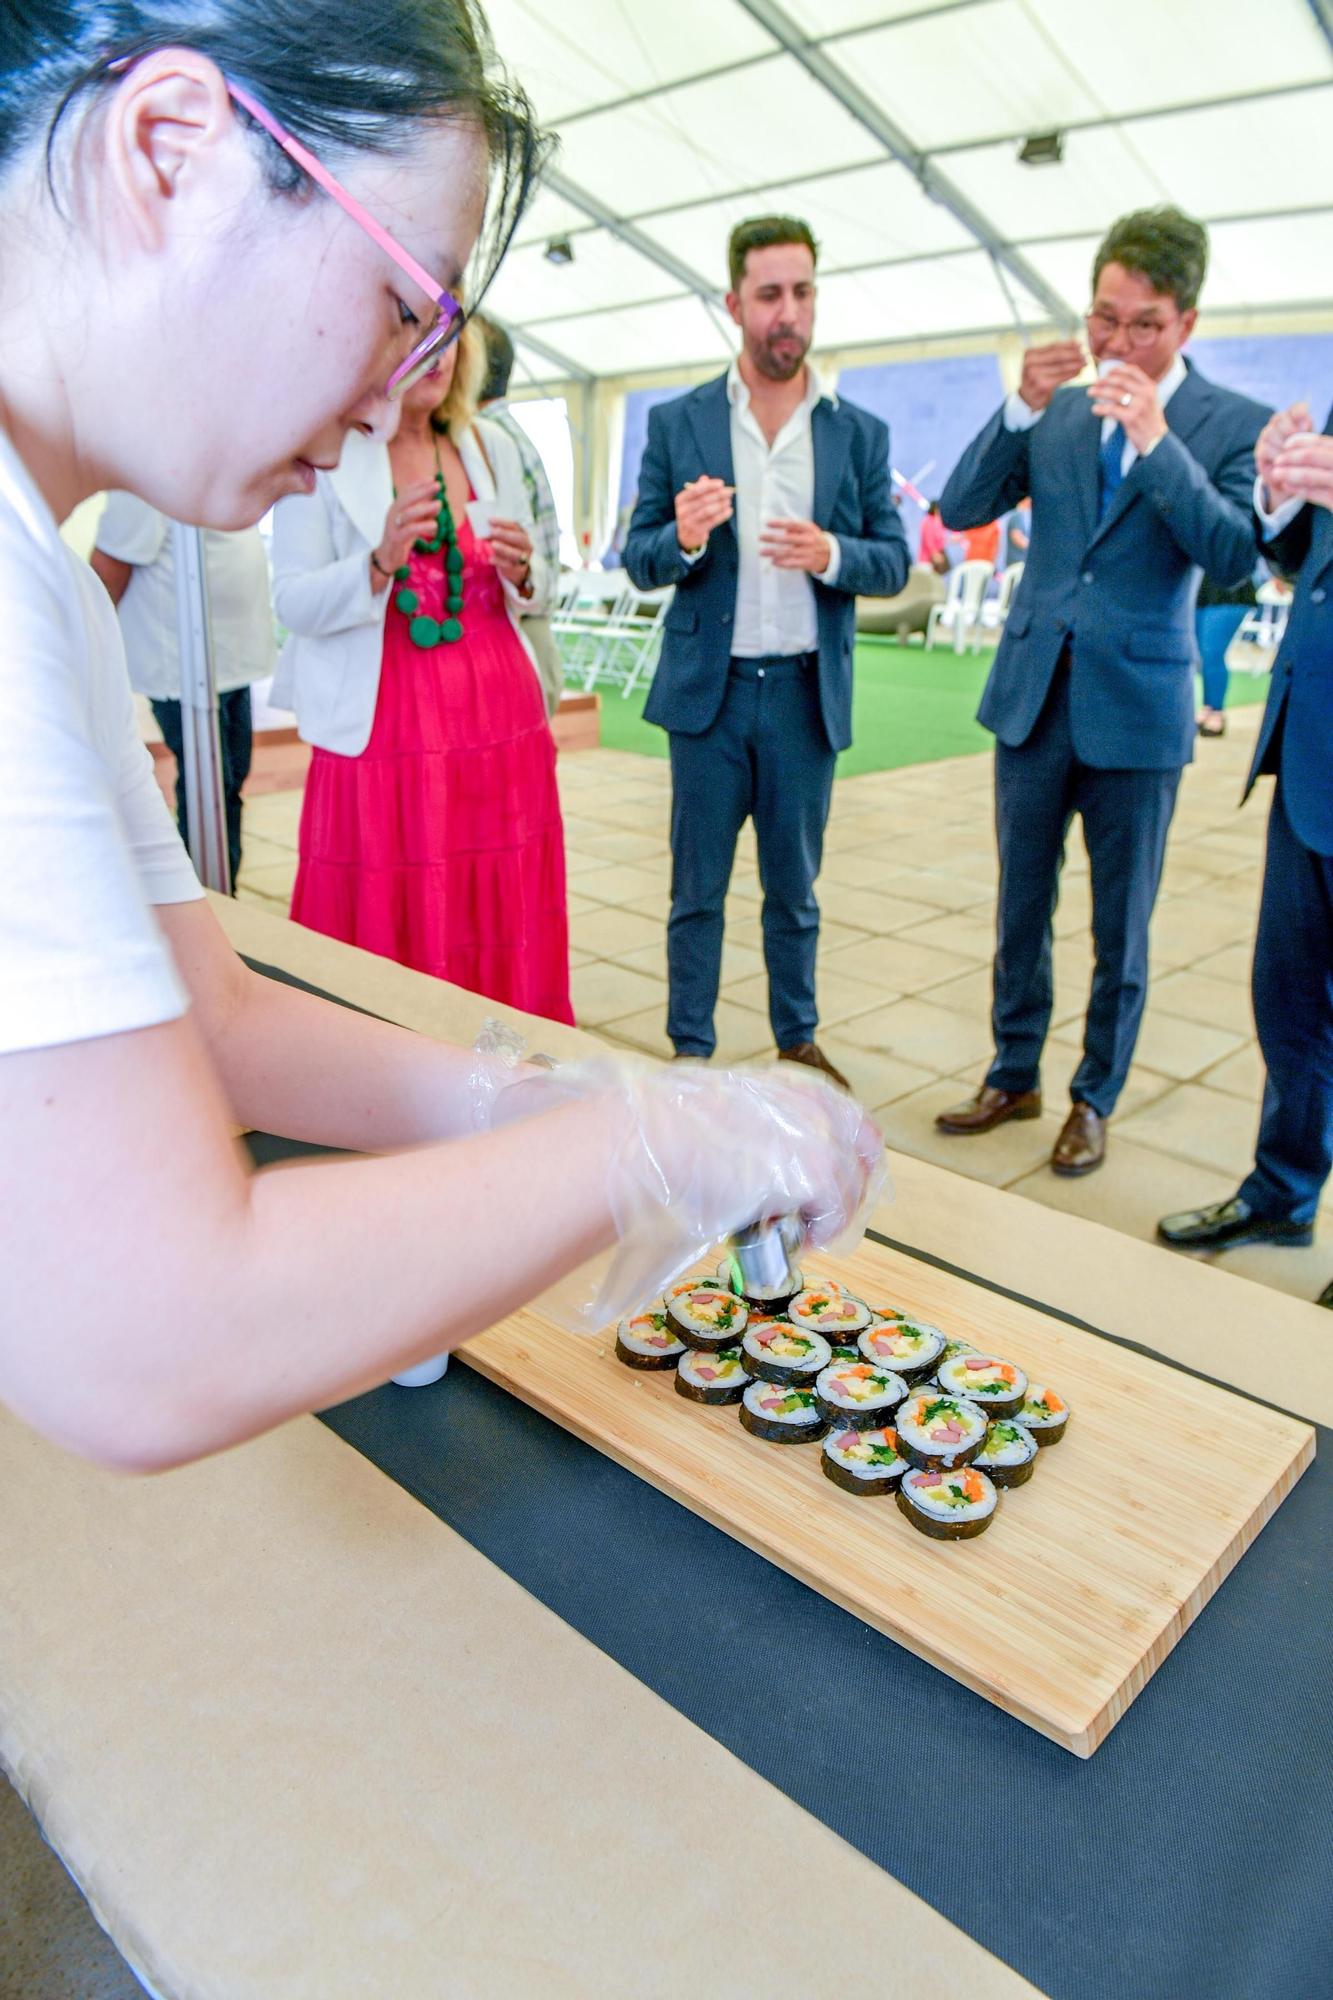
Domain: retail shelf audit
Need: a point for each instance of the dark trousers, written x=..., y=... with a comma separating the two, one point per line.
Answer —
x=236, y=731
x=766, y=756
x=1293, y=1011
x=1126, y=814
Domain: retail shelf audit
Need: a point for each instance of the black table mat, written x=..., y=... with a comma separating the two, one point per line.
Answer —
x=1190, y=1859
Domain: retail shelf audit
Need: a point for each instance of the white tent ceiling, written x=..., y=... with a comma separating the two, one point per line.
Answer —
x=893, y=126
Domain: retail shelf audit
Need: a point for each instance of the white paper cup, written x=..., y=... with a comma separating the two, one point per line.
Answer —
x=424, y=1373
x=481, y=518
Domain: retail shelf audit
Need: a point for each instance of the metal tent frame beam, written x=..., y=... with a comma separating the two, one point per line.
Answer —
x=616, y=225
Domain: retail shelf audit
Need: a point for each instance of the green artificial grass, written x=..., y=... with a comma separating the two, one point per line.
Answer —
x=909, y=707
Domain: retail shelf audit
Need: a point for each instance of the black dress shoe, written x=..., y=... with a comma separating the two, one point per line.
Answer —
x=1326, y=1297
x=1228, y=1223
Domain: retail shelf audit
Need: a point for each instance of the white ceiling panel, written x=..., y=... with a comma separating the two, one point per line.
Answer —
x=531, y=368
x=1287, y=261
x=573, y=57
x=905, y=301
x=1210, y=163
x=709, y=138
x=1067, y=266
x=836, y=17
x=867, y=216
x=675, y=334
x=952, y=78
x=548, y=215
x=1100, y=177
x=1147, y=53
x=605, y=272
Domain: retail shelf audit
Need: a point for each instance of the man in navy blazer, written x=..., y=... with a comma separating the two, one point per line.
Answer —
x=1138, y=485
x=768, y=505
x=1293, y=956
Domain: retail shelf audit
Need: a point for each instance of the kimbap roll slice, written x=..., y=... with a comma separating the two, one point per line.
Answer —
x=909, y=1347
x=1009, y=1454
x=781, y=1415
x=778, y=1352
x=863, y=1462
x=997, y=1385
x=953, y=1348
x=712, y=1378
x=678, y=1291
x=847, y=1354
x=857, y=1394
x=939, y=1433
x=829, y=1311
x=1044, y=1414
x=647, y=1340
x=707, y=1317
x=728, y=1272
x=948, y=1506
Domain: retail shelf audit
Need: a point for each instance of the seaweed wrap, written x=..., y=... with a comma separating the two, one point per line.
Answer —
x=863, y=1462
x=1009, y=1454
x=647, y=1340
x=775, y=1351
x=857, y=1395
x=997, y=1385
x=781, y=1415
x=910, y=1348
x=948, y=1506
x=707, y=1317
x=828, y=1310
x=939, y=1433
x=712, y=1378
x=1045, y=1414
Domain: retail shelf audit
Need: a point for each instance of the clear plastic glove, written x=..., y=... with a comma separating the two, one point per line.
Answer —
x=701, y=1153
x=498, y=1062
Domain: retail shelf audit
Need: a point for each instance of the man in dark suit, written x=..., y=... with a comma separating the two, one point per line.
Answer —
x=1137, y=484
x=1293, y=956
x=767, y=503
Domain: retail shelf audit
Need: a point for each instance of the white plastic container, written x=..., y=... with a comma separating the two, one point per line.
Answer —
x=424, y=1373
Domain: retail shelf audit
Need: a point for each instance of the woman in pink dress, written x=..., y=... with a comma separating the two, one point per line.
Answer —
x=431, y=829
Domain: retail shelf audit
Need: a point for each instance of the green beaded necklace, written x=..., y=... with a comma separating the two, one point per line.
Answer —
x=423, y=630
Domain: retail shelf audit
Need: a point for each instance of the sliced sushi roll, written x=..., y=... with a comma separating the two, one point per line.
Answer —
x=647, y=1340
x=712, y=1378
x=948, y=1506
x=997, y=1385
x=953, y=1348
x=728, y=1272
x=857, y=1394
x=827, y=1310
x=781, y=1415
x=909, y=1347
x=1044, y=1414
x=707, y=1317
x=863, y=1462
x=1009, y=1454
x=679, y=1290
x=847, y=1354
x=776, y=1351
x=937, y=1432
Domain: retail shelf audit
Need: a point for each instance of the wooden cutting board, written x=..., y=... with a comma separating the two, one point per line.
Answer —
x=1087, y=1577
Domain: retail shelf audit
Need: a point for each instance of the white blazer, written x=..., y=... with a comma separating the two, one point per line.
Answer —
x=329, y=671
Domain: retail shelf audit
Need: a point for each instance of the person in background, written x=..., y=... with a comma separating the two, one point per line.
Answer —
x=541, y=501
x=983, y=544
x=1218, y=616
x=134, y=558
x=1017, y=534
x=431, y=829
x=1138, y=483
x=1292, y=979
x=936, y=541
x=766, y=502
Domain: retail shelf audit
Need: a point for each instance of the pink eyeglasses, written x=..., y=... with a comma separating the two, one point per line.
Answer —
x=450, y=322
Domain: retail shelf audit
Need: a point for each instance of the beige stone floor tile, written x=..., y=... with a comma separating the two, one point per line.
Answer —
x=1135, y=1186
x=579, y=867
x=1174, y=1047
x=969, y=993
x=276, y=906
x=935, y=887
x=1302, y=1272
x=902, y=967
x=840, y=998
x=625, y=844
x=884, y=916
x=1182, y=877
x=1195, y=1123
x=1240, y=1075
x=610, y=932
x=605, y=992
x=970, y=932
x=577, y=957
x=875, y=1079
x=1219, y=1003
x=649, y=958
x=1184, y=932
x=578, y=905
x=1199, y=857
x=275, y=881
x=1142, y=1086
x=916, y=1031
x=853, y=868
x=258, y=851
x=741, y=1033
x=1234, y=962
x=622, y=883
x=997, y=1157
x=739, y=961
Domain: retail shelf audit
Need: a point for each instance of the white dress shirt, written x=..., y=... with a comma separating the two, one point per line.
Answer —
x=1019, y=416
x=775, y=608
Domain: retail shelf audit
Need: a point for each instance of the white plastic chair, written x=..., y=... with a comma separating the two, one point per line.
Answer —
x=1260, y=632
x=960, y=612
x=583, y=624
x=995, y=610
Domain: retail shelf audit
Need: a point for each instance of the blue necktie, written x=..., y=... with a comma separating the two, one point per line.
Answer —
x=1112, y=478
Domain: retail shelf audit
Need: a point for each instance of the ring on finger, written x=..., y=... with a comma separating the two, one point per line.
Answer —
x=1125, y=401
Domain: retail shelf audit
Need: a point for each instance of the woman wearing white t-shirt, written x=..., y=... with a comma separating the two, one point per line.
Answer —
x=196, y=308
x=135, y=558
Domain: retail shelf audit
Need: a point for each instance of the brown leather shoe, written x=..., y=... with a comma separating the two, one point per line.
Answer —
x=1081, y=1147
x=813, y=1057
x=989, y=1108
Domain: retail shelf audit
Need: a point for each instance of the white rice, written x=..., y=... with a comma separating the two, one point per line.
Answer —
x=851, y=1450
x=727, y=1372
x=760, y=1393
x=958, y=1375
x=843, y=1385
x=766, y=1342
x=640, y=1336
x=919, y=1485
x=1006, y=1452
x=902, y=1344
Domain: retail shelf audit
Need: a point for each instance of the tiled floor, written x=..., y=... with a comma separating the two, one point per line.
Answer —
x=908, y=897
